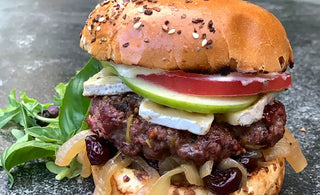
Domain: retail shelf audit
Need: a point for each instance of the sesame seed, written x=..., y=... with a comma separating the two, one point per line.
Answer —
x=136, y=19
x=103, y=39
x=172, y=31
x=101, y=19
x=148, y=12
x=210, y=23
x=195, y=35
x=204, y=42
x=157, y=9
x=126, y=44
x=165, y=27
x=140, y=9
x=84, y=41
x=139, y=1
x=137, y=25
x=146, y=40
x=98, y=28
x=197, y=20
x=89, y=27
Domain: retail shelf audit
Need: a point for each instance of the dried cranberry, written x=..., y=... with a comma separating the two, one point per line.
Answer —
x=223, y=182
x=250, y=160
x=99, y=150
x=53, y=111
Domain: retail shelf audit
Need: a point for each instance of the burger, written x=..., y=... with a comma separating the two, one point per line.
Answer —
x=185, y=103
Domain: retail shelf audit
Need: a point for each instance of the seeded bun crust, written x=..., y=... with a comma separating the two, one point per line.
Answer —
x=268, y=180
x=191, y=35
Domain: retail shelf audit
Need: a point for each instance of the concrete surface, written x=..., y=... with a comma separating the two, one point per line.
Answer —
x=39, y=49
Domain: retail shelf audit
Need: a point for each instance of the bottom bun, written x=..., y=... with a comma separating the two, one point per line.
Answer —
x=267, y=180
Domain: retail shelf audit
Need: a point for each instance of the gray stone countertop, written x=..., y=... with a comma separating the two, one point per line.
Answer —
x=39, y=48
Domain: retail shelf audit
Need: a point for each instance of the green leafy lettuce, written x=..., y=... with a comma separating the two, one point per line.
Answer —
x=34, y=141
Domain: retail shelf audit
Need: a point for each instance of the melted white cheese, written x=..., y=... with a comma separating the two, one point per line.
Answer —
x=104, y=83
x=193, y=122
x=251, y=114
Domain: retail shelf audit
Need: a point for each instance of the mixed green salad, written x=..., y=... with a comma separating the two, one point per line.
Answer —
x=41, y=137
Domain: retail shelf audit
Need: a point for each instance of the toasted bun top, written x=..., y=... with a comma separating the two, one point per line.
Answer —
x=190, y=35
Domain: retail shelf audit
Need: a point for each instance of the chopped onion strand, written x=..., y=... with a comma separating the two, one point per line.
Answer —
x=103, y=185
x=192, y=174
x=289, y=148
x=129, y=123
x=162, y=185
x=71, y=148
x=206, y=168
x=84, y=160
x=152, y=173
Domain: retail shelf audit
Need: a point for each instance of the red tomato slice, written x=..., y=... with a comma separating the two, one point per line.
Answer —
x=234, y=84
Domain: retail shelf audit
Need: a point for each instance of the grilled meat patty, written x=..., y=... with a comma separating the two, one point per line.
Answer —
x=109, y=114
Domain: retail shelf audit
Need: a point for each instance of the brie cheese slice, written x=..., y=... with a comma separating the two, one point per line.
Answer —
x=196, y=123
x=104, y=83
x=251, y=114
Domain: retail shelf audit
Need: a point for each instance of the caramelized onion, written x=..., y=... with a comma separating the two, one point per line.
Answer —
x=86, y=166
x=229, y=163
x=289, y=148
x=103, y=183
x=254, y=147
x=71, y=148
x=129, y=123
x=152, y=173
x=162, y=185
x=206, y=168
x=192, y=174
x=168, y=164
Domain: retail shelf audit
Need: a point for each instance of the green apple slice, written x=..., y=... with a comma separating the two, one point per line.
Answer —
x=189, y=103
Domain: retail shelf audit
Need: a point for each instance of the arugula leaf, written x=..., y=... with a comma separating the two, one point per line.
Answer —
x=75, y=106
x=21, y=112
x=40, y=142
x=8, y=115
x=11, y=110
x=21, y=152
x=17, y=133
x=60, y=89
x=31, y=104
x=53, y=168
x=71, y=171
x=46, y=134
